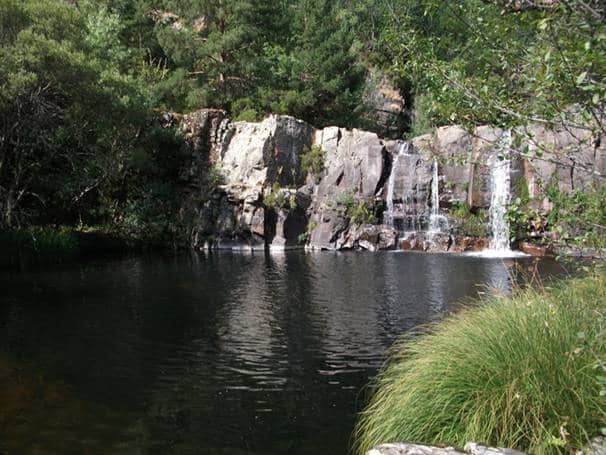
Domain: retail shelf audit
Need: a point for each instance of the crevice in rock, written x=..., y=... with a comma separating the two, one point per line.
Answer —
x=386, y=172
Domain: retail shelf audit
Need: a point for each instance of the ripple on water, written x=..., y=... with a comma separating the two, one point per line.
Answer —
x=219, y=352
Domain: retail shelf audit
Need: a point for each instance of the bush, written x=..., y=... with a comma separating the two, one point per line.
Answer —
x=43, y=240
x=312, y=160
x=579, y=218
x=360, y=213
x=526, y=372
x=468, y=222
x=279, y=198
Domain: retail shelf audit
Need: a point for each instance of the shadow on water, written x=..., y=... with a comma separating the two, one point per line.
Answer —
x=213, y=353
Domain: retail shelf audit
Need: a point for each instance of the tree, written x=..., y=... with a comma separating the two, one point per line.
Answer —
x=68, y=114
x=505, y=63
x=322, y=80
x=216, y=47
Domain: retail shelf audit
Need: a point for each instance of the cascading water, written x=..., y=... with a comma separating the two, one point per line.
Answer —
x=437, y=223
x=500, y=195
x=402, y=192
x=388, y=215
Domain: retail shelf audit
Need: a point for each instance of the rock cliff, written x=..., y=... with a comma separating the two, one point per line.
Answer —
x=250, y=185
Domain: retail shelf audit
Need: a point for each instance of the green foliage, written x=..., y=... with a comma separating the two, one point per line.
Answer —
x=312, y=160
x=524, y=220
x=69, y=114
x=421, y=121
x=486, y=62
x=521, y=372
x=361, y=213
x=57, y=241
x=578, y=218
x=279, y=198
x=470, y=223
x=356, y=211
x=304, y=236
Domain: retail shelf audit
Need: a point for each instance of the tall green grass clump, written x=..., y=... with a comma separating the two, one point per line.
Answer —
x=525, y=372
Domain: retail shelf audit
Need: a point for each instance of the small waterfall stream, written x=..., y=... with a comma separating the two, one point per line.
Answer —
x=437, y=223
x=500, y=195
x=401, y=211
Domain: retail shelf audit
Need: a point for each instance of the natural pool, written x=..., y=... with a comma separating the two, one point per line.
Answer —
x=214, y=353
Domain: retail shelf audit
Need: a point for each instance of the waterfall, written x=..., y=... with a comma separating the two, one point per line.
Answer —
x=402, y=191
x=411, y=209
x=388, y=216
x=437, y=223
x=500, y=195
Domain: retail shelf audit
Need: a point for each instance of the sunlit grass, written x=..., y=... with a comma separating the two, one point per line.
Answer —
x=523, y=372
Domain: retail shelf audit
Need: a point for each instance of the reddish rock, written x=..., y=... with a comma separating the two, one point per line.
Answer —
x=533, y=250
x=406, y=245
x=462, y=244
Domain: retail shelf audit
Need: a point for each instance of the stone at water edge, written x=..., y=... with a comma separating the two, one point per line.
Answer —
x=597, y=446
x=411, y=449
x=418, y=449
x=533, y=250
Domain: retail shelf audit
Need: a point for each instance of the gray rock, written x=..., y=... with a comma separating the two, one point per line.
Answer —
x=353, y=168
x=476, y=449
x=386, y=106
x=411, y=449
x=418, y=449
x=597, y=446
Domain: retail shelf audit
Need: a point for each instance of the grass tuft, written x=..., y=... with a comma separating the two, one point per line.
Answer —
x=525, y=372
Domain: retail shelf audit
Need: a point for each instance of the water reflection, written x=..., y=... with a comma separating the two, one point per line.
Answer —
x=255, y=353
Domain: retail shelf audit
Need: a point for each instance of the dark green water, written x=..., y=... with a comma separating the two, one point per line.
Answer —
x=219, y=354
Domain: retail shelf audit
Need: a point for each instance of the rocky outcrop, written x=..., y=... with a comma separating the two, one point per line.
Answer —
x=354, y=173
x=386, y=107
x=247, y=185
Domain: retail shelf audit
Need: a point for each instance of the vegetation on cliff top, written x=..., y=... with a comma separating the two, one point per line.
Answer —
x=526, y=372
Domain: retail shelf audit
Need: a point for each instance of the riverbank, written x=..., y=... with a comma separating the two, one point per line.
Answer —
x=525, y=372
x=55, y=244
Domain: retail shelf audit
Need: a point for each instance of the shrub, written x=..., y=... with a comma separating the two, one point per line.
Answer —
x=44, y=240
x=526, y=372
x=312, y=160
x=468, y=222
x=304, y=236
x=279, y=198
x=579, y=218
x=361, y=213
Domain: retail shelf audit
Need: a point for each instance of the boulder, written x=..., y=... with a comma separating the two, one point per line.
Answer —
x=367, y=237
x=533, y=249
x=570, y=158
x=257, y=155
x=452, y=147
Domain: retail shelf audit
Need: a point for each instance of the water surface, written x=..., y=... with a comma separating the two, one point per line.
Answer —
x=216, y=353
